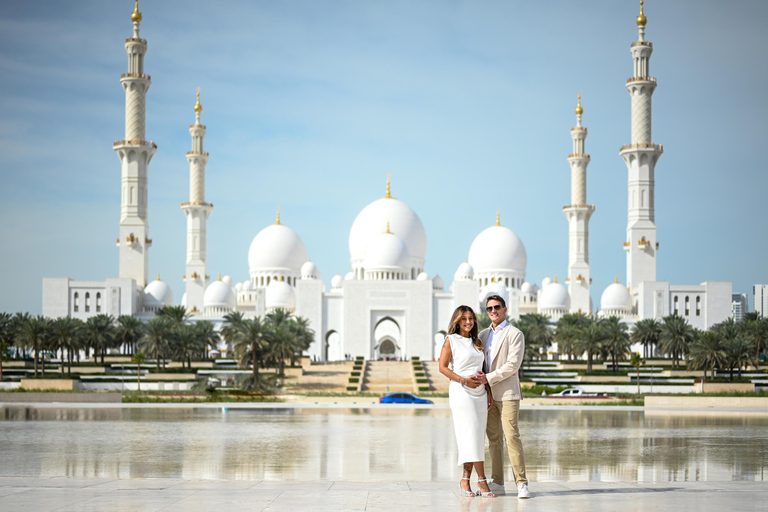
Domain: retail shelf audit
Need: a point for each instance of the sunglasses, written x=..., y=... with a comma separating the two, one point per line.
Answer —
x=493, y=308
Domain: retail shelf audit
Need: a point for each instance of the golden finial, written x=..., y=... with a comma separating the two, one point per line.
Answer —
x=282, y=278
x=387, y=232
x=389, y=195
x=498, y=216
x=136, y=16
x=555, y=278
x=158, y=274
x=278, y=216
x=579, y=110
x=198, y=106
x=617, y=279
x=219, y=276
x=641, y=20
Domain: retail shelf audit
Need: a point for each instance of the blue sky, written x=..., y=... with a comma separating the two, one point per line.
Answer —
x=309, y=105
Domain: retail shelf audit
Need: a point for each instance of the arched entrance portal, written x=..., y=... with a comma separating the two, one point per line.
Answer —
x=386, y=339
x=333, y=346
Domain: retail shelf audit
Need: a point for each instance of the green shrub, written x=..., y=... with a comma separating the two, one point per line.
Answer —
x=359, y=358
x=422, y=381
x=415, y=358
x=351, y=388
x=354, y=380
x=423, y=388
x=355, y=374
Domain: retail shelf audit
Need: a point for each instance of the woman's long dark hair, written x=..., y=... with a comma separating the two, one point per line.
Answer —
x=453, y=327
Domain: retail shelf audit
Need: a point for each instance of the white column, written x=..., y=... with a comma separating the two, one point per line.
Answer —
x=135, y=154
x=197, y=212
x=578, y=214
x=641, y=156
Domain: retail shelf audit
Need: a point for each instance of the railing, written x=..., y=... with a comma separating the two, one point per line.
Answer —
x=135, y=75
x=134, y=142
x=642, y=145
x=641, y=79
x=135, y=40
x=591, y=206
x=196, y=203
x=579, y=155
x=197, y=125
x=201, y=153
x=627, y=244
x=642, y=43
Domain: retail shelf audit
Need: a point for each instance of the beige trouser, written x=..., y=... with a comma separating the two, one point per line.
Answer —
x=503, y=417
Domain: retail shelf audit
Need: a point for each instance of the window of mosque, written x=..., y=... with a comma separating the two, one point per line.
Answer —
x=76, y=302
x=87, y=302
x=687, y=305
x=677, y=306
x=698, y=306
x=98, y=302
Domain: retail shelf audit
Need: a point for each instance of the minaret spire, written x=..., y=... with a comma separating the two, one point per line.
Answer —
x=578, y=214
x=197, y=211
x=641, y=156
x=135, y=154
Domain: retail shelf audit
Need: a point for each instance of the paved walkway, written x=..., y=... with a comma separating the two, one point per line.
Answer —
x=82, y=494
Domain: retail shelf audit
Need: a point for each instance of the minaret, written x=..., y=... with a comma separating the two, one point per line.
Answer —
x=197, y=212
x=641, y=156
x=578, y=214
x=135, y=153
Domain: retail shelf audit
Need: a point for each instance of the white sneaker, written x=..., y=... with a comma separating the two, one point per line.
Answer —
x=497, y=489
x=523, y=492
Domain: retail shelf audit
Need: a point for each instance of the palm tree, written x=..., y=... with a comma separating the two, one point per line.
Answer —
x=4, y=356
x=676, y=337
x=707, y=353
x=539, y=332
x=156, y=341
x=304, y=334
x=647, y=332
x=178, y=314
x=7, y=329
x=33, y=334
x=185, y=342
x=206, y=333
x=483, y=321
x=100, y=334
x=249, y=342
x=19, y=320
x=739, y=354
x=281, y=344
x=230, y=328
x=617, y=340
x=636, y=362
x=755, y=329
x=67, y=335
x=128, y=332
x=592, y=337
x=138, y=359
x=567, y=332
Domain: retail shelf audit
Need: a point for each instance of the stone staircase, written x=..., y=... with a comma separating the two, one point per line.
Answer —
x=325, y=377
x=395, y=375
x=437, y=381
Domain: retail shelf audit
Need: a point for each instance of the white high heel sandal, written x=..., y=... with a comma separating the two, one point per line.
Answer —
x=465, y=493
x=488, y=494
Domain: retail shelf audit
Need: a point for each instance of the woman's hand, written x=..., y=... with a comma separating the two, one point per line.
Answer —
x=490, y=399
x=472, y=382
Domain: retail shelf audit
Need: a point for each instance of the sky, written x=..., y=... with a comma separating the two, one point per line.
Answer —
x=309, y=105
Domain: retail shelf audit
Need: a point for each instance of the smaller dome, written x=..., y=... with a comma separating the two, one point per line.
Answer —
x=387, y=252
x=219, y=295
x=337, y=281
x=616, y=297
x=248, y=286
x=280, y=295
x=309, y=270
x=526, y=288
x=545, y=282
x=555, y=296
x=464, y=272
x=239, y=287
x=438, y=283
x=158, y=294
x=423, y=276
x=228, y=279
x=350, y=276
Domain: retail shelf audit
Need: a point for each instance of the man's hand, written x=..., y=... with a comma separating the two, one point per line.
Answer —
x=480, y=377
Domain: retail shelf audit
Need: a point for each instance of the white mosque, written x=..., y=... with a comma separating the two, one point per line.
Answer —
x=386, y=305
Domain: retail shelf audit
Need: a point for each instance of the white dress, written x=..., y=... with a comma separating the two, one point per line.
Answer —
x=469, y=407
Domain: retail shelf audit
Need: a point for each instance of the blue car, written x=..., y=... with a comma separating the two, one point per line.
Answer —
x=403, y=398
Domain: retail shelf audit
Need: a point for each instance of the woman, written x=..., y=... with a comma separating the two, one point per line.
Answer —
x=469, y=399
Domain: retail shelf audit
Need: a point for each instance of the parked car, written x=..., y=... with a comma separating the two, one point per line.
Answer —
x=403, y=398
x=575, y=393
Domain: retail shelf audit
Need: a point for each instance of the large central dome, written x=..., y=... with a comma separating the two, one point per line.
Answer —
x=372, y=221
x=498, y=249
x=276, y=248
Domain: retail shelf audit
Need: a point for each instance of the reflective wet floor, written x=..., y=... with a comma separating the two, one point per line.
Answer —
x=606, y=445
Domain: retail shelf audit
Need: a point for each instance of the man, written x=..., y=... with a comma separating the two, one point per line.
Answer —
x=504, y=350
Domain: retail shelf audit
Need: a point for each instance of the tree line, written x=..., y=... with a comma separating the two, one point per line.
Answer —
x=728, y=345
x=168, y=336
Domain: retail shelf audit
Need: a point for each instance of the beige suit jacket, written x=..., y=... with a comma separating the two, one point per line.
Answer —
x=507, y=355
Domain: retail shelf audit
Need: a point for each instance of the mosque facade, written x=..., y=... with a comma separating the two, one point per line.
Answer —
x=386, y=305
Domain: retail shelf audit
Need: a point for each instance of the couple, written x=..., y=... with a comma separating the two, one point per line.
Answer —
x=485, y=395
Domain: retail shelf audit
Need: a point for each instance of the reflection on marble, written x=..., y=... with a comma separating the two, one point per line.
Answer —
x=350, y=444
